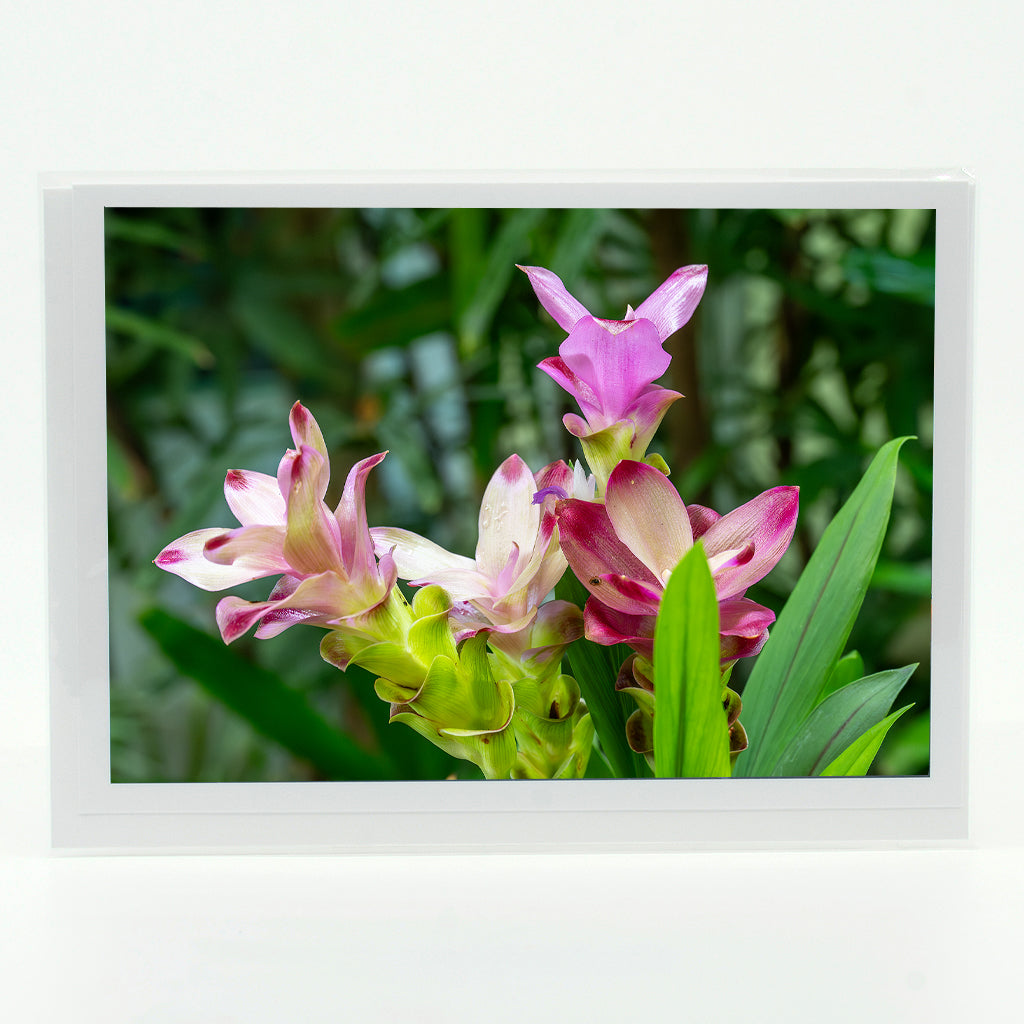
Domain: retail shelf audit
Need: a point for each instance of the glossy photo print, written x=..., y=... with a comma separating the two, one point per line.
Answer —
x=405, y=494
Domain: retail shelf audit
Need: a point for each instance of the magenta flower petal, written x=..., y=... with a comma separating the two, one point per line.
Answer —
x=356, y=543
x=648, y=516
x=739, y=616
x=565, y=377
x=625, y=594
x=254, y=498
x=592, y=547
x=556, y=475
x=617, y=359
x=607, y=626
x=769, y=521
x=316, y=599
x=701, y=519
x=672, y=303
x=647, y=411
x=743, y=627
x=554, y=297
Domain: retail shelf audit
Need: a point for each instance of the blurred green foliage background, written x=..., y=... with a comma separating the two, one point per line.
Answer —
x=411, y=330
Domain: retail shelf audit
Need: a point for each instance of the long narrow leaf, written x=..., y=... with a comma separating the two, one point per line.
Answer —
x=691, y=732
x=848, y=668
x=596, y=668
x=856, y=759
x=260, y=696
x=839, y=720
x=813, y=627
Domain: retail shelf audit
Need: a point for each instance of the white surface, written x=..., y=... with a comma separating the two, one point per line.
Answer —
x=904, y=935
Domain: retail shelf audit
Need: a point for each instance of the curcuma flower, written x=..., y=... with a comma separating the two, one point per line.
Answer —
x=329, y=575
x=610, y=366
x=517, y=563
x=624, y=551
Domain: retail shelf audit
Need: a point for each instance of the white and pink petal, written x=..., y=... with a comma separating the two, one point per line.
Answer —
x=416, y=557
x=508, y=516
x=648, y=516
x=312, y=539
x=254, y=498
x=185, y=558
x=356, y=542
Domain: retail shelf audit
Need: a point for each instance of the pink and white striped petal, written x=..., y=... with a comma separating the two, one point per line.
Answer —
x=673, y=302
x=553, y=296
x=312, y=540
x=306, y=431
x=184, y=557
x=254, y=498
x=356, y=543
x=648, y=516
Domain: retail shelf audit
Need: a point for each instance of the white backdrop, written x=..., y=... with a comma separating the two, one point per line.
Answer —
x=901, y=935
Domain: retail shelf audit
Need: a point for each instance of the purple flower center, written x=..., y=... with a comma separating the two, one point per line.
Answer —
x=558, y=492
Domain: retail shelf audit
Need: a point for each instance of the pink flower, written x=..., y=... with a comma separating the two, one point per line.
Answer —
x=624, y=551
x=609, y=366
x=518, y=560
x=325, y=559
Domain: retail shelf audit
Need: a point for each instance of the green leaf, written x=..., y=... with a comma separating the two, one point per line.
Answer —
x=839, y=720
x=848, y=668
x=915, y=580
x=396, y=316
x=159, y=335
x=813, y=627
x=263, y=698
x=269, y=325
x=857, y=757
x=596, y=669
x=908, y=278
x=691, y=733
x=483, y=295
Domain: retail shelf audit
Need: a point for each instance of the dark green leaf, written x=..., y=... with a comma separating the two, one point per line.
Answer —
x=691, y=733
x=263, y=698
x=912, y=279
x=812, y=628
x=849, y=667
x=839, y=720
x=595, y=669
x=158, y=335
x=397, y=316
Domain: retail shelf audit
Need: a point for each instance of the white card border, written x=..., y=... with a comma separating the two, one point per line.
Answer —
x=89, y=812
